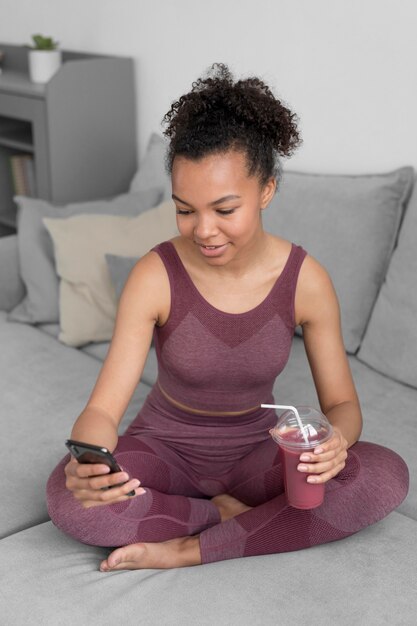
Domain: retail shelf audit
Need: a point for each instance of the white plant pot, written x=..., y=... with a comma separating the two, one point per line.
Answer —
x=43, y=64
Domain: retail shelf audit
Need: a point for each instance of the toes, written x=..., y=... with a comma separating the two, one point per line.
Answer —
x=116, y=557
x=119, y=566
x=104, y=567
x=123, y=558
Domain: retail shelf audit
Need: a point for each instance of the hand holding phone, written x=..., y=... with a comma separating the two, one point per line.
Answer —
x=89, y=483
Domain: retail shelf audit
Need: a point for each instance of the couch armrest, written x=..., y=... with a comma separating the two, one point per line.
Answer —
x=12, y=289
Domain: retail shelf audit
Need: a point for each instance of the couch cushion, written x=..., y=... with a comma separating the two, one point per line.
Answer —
x=388, y=408
x=50, y=329
x=12, y=288
x=54, y=579
x=43, y=387
x=99, y=351
x=36, y=257
x=390, y=341
x=349, y=224
x=151, y=172
x=87, y=298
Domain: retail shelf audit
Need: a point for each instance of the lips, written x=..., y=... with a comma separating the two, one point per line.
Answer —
x=212, y=251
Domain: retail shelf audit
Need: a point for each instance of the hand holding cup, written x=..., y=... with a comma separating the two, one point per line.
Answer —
x=327, y=459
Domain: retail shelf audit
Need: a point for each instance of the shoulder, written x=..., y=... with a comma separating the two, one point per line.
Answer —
x=313, y=275
x=149, y=268
x=316, y=298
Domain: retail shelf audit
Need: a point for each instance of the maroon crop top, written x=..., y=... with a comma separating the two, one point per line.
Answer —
x=216, y=361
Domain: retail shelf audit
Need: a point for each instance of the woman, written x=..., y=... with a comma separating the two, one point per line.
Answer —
x=221, y=300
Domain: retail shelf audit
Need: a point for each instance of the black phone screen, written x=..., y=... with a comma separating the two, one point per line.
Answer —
x=88, y=453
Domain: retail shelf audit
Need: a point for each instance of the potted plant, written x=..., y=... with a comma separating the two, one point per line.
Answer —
x=44, y=59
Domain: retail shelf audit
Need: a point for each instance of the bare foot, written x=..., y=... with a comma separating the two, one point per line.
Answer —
x=180, y=552
x=229, y=506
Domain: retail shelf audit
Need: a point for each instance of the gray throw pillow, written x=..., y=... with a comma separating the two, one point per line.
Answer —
x=36, y=254
x=349, y=224
x=120, y=268
x=390, y=341
x=151, y=172
x=12, y=288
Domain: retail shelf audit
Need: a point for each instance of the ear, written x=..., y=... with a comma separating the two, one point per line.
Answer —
x=268, y=192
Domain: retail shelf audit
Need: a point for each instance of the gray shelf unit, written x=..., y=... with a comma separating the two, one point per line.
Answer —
x=80, y=128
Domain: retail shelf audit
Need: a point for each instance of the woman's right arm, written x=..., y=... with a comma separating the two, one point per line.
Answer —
x=144, y=302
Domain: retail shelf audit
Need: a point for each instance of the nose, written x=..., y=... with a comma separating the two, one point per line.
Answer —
x=205, y=227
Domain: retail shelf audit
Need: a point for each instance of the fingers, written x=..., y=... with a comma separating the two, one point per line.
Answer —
x=103, y=482
x=326, y=461
x=90, y=498
x=326, y=450
x=82, y=470
x=323, y=472
x=93, y=485
x=325, y=476
x=312, y=457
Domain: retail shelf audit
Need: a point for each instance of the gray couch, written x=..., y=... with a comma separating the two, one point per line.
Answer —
x=364, y=230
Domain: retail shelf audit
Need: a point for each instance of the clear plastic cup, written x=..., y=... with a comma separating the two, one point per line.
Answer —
x=292, y=443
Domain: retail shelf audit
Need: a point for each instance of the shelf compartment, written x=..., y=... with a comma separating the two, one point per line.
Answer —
x=8, y=207
x=16, y=134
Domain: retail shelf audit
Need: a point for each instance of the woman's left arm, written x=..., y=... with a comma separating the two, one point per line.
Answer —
x=317, y=310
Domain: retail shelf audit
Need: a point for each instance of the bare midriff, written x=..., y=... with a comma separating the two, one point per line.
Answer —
x=185, y=407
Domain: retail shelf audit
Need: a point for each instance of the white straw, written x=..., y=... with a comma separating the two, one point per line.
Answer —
x=294, y=410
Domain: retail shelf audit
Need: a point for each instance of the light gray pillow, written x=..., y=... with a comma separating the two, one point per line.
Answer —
x=12, y=289
x=151, y=172
x=390, y=341
x=120, y=268
x=36, y=254
x=349, y=224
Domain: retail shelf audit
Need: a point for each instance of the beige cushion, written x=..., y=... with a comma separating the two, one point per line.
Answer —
x=87, y=298
x=36, y=254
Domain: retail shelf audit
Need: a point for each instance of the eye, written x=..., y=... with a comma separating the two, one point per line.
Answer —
x=225, y=211
x=183, y=212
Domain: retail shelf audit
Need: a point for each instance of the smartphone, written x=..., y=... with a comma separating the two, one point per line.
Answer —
x=88, y=453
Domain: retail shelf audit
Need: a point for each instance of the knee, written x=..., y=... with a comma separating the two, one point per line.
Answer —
x=60, y=502
x=55, y=490
x=386, y=471
x=66, y=512
x=399, y=478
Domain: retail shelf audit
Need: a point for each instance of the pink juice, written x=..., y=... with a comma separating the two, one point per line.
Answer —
x=300, y=493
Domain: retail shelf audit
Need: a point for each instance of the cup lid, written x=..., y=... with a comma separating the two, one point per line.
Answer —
x=316, y=428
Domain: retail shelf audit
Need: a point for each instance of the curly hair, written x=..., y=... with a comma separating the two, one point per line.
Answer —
x=219, y=114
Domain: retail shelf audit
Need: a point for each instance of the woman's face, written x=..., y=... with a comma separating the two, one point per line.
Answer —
x=219, y=205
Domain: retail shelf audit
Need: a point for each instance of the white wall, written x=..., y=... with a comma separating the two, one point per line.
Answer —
x=347, y=67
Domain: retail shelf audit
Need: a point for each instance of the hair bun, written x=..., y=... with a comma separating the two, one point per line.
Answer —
x=219, y=112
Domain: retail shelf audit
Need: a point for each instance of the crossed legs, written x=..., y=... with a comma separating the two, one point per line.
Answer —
x=175, y=523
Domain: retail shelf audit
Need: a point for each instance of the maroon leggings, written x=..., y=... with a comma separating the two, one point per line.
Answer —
x=177, y=501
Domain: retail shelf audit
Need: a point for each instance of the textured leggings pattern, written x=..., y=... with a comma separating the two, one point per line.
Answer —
x=178, y=501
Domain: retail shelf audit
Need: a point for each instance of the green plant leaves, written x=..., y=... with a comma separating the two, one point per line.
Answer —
x=44, y=43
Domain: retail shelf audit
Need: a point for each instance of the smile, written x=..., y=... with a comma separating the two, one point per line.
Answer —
x=212, y=251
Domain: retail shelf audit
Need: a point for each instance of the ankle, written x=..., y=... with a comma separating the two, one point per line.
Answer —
x=190, y=550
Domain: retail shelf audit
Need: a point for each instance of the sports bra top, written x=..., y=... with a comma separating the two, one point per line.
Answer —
x=211, y=360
